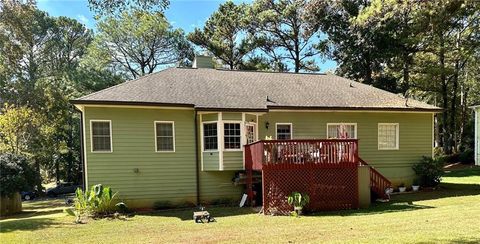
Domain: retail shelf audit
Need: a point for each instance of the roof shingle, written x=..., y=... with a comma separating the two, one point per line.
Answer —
x=225, y=89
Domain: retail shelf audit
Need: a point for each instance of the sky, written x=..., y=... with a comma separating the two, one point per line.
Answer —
x=185, y=14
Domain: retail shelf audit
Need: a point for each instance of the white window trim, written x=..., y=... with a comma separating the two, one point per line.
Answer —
x=354, y=124
x=91, y=135
x=202, y=133
x=241, y=135
x=155, y=133
x=291, y=129
x=397, y=132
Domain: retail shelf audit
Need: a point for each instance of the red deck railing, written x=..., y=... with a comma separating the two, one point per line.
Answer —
x=378, y=183
x=330, y=152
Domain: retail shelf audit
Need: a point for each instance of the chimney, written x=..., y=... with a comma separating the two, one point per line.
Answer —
x=203, y=61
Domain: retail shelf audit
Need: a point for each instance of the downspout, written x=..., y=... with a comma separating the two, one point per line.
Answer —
x=82, y=149
x=197, y=151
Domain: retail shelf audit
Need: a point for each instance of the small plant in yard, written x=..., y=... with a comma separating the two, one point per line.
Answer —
x=98, y=203
x=298, y=201
x=429, y=171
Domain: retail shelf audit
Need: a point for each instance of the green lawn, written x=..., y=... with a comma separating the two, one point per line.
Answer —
x=450, y=214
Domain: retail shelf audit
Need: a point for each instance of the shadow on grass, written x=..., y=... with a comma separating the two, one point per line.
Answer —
x=457, y=241
x=398, y=203
x=29, y=224
x=44, y=203
x=187, y=214
x=473, y=171
x=38, y=208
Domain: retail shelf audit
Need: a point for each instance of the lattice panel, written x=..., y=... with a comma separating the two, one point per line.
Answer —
x=329, y=188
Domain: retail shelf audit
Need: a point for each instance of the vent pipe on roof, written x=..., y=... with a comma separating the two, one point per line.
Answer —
x=203, y=61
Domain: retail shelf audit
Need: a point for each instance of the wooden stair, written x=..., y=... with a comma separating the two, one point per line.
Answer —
x=378, y=183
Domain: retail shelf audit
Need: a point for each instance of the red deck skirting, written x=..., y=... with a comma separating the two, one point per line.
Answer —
x=324, y=169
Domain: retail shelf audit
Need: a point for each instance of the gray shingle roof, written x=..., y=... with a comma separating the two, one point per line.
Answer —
x=224, y=89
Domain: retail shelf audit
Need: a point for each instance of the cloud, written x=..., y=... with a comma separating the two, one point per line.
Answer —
x=84, y=20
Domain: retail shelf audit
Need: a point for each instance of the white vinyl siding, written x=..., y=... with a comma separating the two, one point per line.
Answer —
x=388, y=136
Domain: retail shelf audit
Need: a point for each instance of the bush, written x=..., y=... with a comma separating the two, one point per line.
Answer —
x=429, y=171
x=98, y=203
x=15, y=174
x=161, y=205
x=467, y=156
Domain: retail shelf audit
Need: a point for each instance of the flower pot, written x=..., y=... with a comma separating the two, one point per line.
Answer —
x=402, y=189
x=415, y=188
x=298, y=210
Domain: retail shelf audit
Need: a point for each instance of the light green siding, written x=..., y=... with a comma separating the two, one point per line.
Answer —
x=161, y=176
x=233, y=160
x=172, y=175
x=215, y=184
x=232, y=116
x=415, y=136
x=210, y=161
x=210, y=117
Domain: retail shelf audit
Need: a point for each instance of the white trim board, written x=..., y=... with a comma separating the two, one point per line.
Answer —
x=91, y=135
x=155, y=133
x=341, y=123
x=397, y=137
x=282, y=123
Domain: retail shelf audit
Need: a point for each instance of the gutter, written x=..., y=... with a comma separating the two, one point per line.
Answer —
x=365, y=109
x=82, y=149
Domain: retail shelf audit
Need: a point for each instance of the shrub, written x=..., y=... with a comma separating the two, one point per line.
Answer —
x=15, y=174
x=467, y=156
x=429, y=171
x=98, y=203
x=161, y=205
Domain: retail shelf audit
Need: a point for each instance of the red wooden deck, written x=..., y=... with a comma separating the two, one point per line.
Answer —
x=324, y=169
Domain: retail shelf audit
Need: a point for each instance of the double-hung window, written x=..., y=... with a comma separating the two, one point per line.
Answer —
x=231, y=136
x=164, y=136
x=101, y=135
x=388, y=136
x=341, y=131
x=210, y=139
x=283, y=131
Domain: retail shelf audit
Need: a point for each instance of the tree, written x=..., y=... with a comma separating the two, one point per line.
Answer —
x=15, y=174
x=282, y=33
x=224, y=34
x=138, y=43
x=360, y=51
x=421, y=49
x=41, y=69
x=18, y=128
x=114, y=7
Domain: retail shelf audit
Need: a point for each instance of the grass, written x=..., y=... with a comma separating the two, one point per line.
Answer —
x=448, y=215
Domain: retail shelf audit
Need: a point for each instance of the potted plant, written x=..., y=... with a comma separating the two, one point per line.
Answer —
x=401, y=187
x=415, y=185
x=298, y=201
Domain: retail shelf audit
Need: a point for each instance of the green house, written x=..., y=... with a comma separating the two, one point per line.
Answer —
x=179, y=135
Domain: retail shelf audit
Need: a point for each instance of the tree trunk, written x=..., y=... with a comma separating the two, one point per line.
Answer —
x=446, y=136
x=453, y=110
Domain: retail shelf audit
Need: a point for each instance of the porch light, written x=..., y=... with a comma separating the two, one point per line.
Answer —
x=267, y=124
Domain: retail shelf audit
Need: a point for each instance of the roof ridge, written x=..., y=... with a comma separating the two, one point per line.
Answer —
x=124, y=83
x=268, y=72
